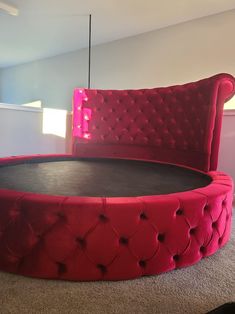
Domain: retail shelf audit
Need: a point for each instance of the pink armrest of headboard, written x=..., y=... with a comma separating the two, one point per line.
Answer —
x=224, y=90
x=178, y=124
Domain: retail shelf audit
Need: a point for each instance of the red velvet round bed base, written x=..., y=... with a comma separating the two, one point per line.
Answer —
x=111, y=238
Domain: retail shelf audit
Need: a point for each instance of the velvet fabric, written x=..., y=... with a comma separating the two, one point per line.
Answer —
x=179, y=124
x=115, y=238
x=112, y=238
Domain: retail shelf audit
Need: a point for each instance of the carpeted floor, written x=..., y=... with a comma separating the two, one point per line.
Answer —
x=196, y=289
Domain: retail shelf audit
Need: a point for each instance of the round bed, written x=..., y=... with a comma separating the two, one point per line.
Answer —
x=118, y=209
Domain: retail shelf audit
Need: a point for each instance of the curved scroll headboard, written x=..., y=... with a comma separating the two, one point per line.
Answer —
x=179, y=124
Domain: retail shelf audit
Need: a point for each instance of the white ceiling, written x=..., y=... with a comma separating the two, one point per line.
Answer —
x=50, y=27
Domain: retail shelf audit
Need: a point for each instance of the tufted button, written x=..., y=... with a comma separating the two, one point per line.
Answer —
x=224, y=203
x=61, y=215
x=143, y=216
x=220, y=240
x=13, y=259
x=40, y=237
x=176, y=257
x=14, y=213
x=123, y=241
x=102, y=268
x=158, y=142
x=81, y=242
x=61, y=268
x=192, y=231
x=142, y=263
x=103, y=218
x=206, y=207
x=179, y=212
x=161, y=237
x=227, y=217
x=159, y=121
x=202, y=249
x=214, y=224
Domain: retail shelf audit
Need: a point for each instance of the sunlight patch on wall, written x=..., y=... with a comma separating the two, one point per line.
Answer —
x=54, y=122
x=230, y=104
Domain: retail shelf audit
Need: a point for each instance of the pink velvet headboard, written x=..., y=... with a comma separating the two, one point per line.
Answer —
x=178, y=124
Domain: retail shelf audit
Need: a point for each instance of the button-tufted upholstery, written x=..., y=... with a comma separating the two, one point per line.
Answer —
x=95, y=238
x=179, y=124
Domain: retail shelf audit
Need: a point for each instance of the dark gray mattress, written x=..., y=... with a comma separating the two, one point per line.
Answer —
x=99, y=177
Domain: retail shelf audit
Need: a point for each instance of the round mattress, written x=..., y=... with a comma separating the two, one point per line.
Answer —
x=99, y=177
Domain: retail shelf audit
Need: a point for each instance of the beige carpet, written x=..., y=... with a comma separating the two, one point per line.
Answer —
x=196, y=289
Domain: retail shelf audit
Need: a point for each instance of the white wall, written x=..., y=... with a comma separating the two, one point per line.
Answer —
x=21, y=133
x=177, y=54
x=50, y=80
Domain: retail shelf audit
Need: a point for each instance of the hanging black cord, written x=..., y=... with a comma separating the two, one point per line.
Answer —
x=89, y=54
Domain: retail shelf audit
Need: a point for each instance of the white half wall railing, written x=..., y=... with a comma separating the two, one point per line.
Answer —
x=25, y=130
